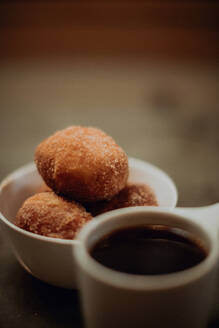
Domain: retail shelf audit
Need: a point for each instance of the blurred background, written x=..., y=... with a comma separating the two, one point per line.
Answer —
x=146, y=72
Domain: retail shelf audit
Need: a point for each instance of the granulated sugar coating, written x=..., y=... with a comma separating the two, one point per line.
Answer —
x=50, y=215
x=131, y=195
x=82, y=163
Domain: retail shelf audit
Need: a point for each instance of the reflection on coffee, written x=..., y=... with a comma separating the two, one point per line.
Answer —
x=148, y=250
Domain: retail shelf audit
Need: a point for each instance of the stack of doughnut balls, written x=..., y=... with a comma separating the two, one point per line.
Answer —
x=85, y=173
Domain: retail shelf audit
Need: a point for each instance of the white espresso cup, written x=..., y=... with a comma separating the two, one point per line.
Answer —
x=186, y=298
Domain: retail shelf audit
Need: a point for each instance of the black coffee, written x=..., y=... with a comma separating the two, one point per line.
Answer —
x=148, y=250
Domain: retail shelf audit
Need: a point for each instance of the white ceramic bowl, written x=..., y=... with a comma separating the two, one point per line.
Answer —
x=50, y=259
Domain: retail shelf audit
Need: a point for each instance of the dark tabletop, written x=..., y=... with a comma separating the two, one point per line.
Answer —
x=167, y=115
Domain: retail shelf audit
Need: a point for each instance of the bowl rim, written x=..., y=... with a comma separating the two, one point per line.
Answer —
x=32, y=167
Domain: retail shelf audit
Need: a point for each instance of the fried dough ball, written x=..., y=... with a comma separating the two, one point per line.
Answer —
x=82, y=163
x=131, y=195
x=50, y=215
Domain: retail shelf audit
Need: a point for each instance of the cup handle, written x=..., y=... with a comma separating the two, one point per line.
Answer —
x=207, y=216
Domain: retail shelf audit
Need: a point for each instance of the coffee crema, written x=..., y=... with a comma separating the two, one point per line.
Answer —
x=148, y=250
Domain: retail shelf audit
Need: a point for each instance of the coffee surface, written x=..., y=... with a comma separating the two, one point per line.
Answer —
x=148, y=250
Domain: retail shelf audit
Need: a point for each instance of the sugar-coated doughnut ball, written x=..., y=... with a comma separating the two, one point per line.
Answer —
x=131, y=195
x=82, y=163
x=50, y=215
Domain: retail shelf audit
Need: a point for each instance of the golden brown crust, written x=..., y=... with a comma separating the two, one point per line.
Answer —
x=82, y=163
x=131, y=195
x=50, y=215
